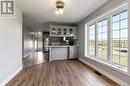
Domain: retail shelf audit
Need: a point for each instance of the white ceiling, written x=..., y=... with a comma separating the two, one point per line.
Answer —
x=43, y=11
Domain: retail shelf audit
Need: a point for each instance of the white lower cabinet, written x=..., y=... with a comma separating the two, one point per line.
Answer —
x=58, y=53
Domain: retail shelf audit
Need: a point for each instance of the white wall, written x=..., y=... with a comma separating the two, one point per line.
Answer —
x=40, y=27
x=10, y=47
x=107, y=7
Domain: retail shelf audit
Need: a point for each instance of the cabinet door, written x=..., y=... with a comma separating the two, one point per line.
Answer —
x=58, y=53
x=70, y=31
x=59, y=31
x=53, y=31
x=65, y=31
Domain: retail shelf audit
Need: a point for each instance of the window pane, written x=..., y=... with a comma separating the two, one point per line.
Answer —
x=92, y=37
x=116, y=43
x=124, y=42
x=104, y=36
x=123, y=52
x=115, y=26
x=124, y=33
x=104, y=56
x=115, y=51
x=124, y=59
x=92, y=50
x=124, y=23
x=120, y=40
x=105, y=28
x=100, y=30
x=124, y=15
x=102, y=49
x=105, y=22
x=99, y=49
x=115, y=18
x=93, y=26
x=92, y=40
x=115, y=34
x=116, y=59
x=99, y=24
x=102, y=40
x=100, y=37
x=91, y=31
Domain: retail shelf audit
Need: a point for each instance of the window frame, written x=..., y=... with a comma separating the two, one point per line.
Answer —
x=109, y=39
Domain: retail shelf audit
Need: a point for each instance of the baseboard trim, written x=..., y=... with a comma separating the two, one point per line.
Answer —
x=9, y=78
x=28, y=54
x=120, y=82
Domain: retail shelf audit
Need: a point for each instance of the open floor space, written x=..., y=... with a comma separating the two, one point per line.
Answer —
x=60, y=73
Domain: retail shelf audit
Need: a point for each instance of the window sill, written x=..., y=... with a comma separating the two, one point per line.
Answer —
x=110, y=66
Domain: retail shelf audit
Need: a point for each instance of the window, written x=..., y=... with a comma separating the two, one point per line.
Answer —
x=102, y=39
x=120, y=38
x=92, y=40
x=108, y=39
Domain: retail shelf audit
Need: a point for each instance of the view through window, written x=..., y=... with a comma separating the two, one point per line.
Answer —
x=102, y=39
x=100, y=43
x=92, y=40
x=120, y=38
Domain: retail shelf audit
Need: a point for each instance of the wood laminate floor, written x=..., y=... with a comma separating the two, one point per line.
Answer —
x=60, y=73
x=35, y=58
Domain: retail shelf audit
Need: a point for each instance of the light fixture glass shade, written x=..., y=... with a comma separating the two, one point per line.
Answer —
x=59, y=11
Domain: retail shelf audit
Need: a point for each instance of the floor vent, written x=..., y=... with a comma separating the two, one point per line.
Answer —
x=97, y=73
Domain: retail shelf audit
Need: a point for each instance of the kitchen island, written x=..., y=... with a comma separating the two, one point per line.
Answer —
x=63, y=52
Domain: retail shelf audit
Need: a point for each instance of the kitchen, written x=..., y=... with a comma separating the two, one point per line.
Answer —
x=61, y=42
x=56, y=42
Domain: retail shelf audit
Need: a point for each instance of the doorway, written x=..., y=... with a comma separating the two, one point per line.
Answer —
x=33, y=48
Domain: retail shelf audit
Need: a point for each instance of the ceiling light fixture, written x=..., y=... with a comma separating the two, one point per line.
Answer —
x=60, y=6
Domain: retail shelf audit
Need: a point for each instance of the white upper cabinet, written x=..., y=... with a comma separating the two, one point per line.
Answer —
x=65, y=31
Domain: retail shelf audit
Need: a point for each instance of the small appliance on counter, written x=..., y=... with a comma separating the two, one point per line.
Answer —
x=70, y=41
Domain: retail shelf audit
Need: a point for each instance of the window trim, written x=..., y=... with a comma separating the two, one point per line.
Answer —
x=109, y=17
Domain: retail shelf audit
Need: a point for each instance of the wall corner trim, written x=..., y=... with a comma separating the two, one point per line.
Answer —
x=10, y=77
x=120, y=82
